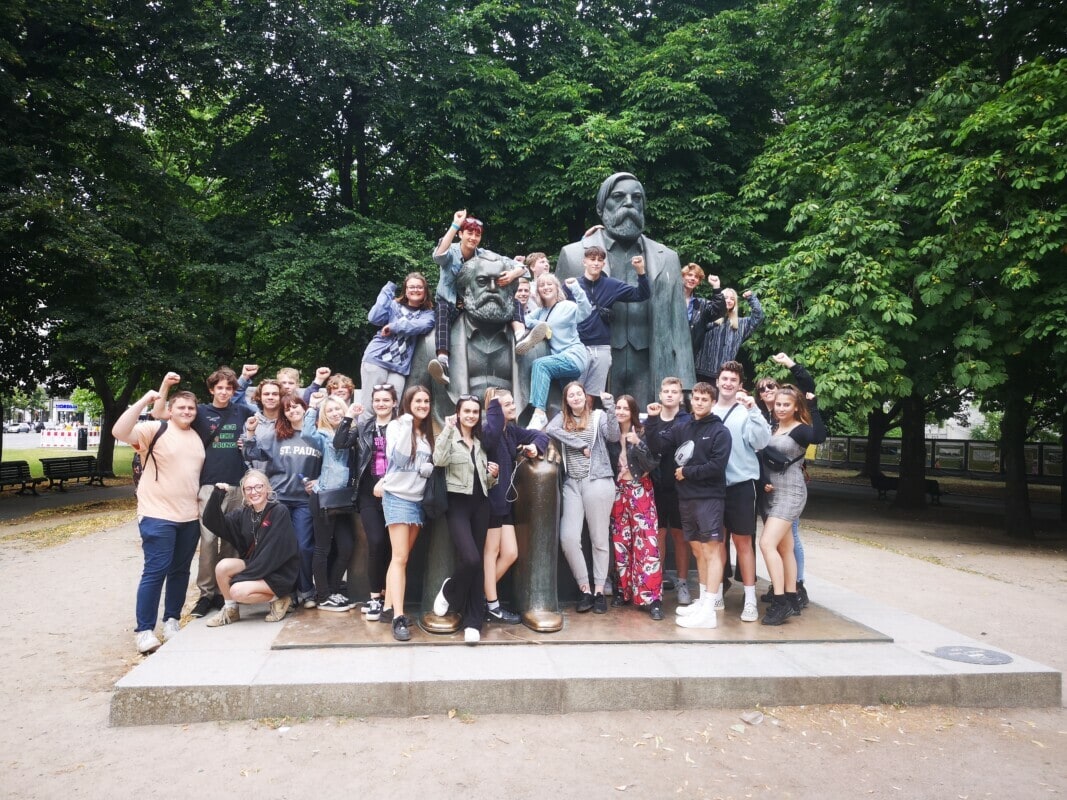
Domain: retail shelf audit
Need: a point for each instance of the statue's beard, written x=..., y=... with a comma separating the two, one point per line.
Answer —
x=493, y=308
x=625, y=224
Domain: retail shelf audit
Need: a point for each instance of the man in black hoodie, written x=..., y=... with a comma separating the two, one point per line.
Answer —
x=701, y=449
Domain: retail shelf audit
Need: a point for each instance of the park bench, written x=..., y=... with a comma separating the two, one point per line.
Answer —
x=70, y=468
x=884, y=483
x=17, y=473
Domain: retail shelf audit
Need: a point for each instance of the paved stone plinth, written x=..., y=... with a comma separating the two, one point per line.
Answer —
x=236, y=673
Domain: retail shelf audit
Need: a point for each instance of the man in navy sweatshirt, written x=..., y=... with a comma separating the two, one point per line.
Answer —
x=701, y=450
x=594, y=331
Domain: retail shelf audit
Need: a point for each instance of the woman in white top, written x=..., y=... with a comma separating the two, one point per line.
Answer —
x=409, y=448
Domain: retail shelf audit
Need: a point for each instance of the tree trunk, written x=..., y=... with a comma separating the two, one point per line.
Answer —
x=114, y=407
x=1063, y=473
x=911, y=493
x=878, y=423
x=1018, y=520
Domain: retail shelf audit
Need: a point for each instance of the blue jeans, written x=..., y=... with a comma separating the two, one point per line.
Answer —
x=305, y=540
x=168, y=551
x=798, y=549
x=544, y=370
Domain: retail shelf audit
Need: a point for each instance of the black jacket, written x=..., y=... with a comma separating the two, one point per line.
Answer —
x=703, y=448
x=270, y=551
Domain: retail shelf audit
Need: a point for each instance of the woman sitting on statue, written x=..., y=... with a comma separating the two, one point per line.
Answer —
x=401, y=319
x=568, y=355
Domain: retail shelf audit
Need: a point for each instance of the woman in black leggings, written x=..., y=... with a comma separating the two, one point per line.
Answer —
x=369, y=467
x=467, y=474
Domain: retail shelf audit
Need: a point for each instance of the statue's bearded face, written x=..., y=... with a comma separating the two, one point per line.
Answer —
x=624, y=210
x=482, y=298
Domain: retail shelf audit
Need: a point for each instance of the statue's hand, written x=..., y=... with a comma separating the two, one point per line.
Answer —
x=552, y=454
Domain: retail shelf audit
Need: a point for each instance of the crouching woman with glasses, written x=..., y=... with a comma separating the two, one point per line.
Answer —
x=262, y=533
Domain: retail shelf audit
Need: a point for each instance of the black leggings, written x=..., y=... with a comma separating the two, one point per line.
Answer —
x=336, y=531
x=468, y=521
x=379, y=550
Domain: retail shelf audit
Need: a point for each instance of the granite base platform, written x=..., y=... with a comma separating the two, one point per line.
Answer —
x=843, y=649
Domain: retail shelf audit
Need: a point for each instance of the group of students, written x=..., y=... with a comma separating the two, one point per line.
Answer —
x=277, y=473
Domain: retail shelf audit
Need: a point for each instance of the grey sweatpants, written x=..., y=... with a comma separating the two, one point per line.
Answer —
x=587, y=499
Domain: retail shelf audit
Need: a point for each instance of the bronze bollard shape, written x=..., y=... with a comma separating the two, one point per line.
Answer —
x=537, y=534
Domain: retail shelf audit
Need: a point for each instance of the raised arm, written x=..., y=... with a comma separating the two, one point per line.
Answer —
x=124, y=425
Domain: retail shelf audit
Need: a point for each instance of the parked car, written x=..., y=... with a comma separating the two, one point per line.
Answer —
x=18, y=427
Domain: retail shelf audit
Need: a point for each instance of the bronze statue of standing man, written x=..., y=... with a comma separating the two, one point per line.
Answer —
x=649, y=341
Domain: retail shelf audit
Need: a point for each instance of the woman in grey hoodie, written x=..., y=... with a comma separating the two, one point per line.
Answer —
x=589, y=487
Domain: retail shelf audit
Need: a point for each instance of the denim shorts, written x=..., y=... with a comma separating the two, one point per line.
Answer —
x=401, y=512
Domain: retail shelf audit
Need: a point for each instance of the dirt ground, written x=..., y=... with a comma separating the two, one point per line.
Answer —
x=66, y=637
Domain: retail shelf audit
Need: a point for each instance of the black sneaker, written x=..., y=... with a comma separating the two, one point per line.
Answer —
x=617, y=600
x=585, y=603
x=768, y=596
x=373, y=609
x=802, y=593
x=793, y=600
x=656, y=610
x=386, y=615
x=400, y=629
x=202, y=608
x=600, y=604
x=501, y=614
x=778, y=613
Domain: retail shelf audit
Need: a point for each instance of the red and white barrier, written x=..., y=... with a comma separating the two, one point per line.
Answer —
x=68, y=439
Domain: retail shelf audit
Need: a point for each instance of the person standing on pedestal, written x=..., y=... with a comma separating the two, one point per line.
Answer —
x=603, y=292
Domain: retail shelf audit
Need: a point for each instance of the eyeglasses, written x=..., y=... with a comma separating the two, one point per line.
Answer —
x=255, y=488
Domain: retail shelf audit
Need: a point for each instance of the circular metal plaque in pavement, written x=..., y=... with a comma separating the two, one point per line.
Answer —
x=972, y=655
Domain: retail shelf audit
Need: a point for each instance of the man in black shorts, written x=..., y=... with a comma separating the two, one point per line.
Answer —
x=701, y=447
x=749, y=432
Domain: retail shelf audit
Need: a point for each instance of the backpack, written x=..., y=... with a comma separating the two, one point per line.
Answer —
x=140, y=463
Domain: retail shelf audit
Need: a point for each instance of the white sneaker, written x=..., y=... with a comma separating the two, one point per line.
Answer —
x=171, y=627
x=438, y=369
x=440, y=604
x=704, y=618
x=471, y=635
x=537, y=334
x=147, y=642
x=689, y=610
x=684, y=598
x=720, y=604
x=538, y=421
x=750, y=613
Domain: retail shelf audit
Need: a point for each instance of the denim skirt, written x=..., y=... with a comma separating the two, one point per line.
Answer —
x=399, y=511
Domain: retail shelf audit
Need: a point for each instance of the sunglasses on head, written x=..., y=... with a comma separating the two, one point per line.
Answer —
x=378, y=387
x=463, y=398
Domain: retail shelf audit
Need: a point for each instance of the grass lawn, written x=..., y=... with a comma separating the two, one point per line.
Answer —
x=123, y=458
